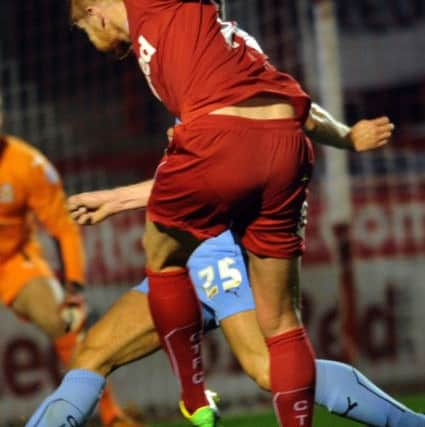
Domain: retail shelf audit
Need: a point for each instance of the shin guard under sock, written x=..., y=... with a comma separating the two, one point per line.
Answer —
x=292, y=375
x=177, y=316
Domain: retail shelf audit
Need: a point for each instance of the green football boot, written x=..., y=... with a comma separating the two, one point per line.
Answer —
x=205, y=416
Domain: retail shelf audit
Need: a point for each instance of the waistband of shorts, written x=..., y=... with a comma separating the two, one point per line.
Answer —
x=222, y=121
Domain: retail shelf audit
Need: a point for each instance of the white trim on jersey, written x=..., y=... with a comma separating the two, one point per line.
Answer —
x=230, y=29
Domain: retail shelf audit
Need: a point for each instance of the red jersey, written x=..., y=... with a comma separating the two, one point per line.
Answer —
x=192, y=68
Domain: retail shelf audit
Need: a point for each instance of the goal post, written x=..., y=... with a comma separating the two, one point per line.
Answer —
x=336, y=177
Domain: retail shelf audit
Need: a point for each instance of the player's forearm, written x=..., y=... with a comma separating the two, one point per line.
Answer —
x=72, y=256
x=133, y=196
x=324, y=129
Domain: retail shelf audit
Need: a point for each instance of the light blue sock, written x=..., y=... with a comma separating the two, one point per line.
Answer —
x=347, y=392
x=72, y=403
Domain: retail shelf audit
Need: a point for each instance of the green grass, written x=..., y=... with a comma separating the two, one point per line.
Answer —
x=322, y=417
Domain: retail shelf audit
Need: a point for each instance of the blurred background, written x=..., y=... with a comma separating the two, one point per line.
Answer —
x=364, y=270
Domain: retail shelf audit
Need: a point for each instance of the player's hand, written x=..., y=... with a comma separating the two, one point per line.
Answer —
x=91, y=207
x=370, y=134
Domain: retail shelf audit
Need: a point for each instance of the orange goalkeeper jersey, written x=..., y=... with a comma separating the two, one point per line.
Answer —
x=31, y=188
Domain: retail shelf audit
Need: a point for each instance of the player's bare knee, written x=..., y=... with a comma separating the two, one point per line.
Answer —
x=51, y=324
x=279, y=324
x=162, y=257
x=167, y=247
x=163, y=251
x=158, y=249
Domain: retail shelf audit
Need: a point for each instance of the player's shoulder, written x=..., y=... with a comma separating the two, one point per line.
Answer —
x=19, y=147
x=29, y=158
x=18, y=151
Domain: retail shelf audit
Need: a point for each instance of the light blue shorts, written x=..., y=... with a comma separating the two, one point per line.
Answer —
x=217, y=269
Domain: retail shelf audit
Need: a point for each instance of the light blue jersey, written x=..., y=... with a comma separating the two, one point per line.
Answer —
x=217, y=269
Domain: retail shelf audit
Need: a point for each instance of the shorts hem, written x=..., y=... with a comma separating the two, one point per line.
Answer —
x=9, y=299
x=219, y=319
x=273, y=253
x=181, y=225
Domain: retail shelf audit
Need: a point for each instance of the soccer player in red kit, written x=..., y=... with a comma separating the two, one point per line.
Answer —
x=242, y=119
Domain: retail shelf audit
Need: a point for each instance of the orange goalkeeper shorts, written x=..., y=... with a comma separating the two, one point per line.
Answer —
x=20, y=269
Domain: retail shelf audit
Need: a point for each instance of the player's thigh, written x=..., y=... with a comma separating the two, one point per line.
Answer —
x=247, y=343
x=20, y=269
x=276, y=288
x=276, y=227
x=39, y=301
x=195, y=186
x=124, y=333
x=167, y=247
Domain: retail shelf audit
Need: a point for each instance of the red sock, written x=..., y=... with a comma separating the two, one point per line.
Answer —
x=292, y=375
x=177, y=316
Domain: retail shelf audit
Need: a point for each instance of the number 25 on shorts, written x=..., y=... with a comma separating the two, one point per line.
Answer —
x=229, y=276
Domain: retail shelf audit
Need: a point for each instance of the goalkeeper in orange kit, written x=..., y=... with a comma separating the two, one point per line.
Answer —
x=30, y=193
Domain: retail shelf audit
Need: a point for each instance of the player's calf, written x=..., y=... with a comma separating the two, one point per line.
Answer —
x=260, y=372
x=292, y=368
x=175, y=307
x=247, y=343
x=125, y=333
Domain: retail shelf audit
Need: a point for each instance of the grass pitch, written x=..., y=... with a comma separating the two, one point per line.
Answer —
x=322, y=417
x=266, y=419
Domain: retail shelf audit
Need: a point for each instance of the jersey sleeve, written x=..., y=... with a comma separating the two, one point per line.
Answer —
x=47, y=200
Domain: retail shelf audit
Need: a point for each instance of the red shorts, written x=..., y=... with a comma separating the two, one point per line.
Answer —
x=225, y=172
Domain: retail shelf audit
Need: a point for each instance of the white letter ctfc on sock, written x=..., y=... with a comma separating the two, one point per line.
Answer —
x=301, y=405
